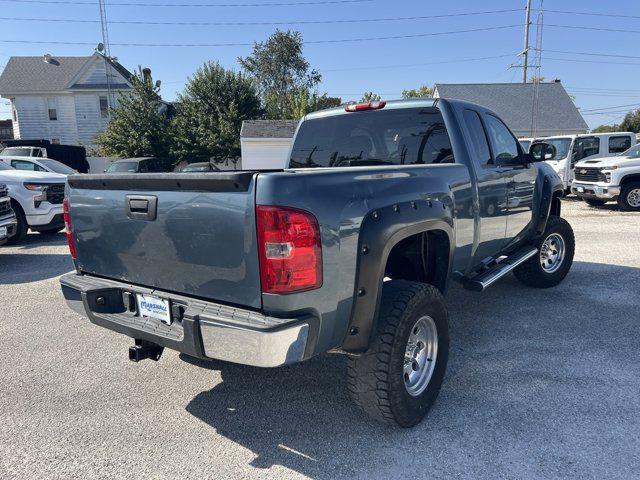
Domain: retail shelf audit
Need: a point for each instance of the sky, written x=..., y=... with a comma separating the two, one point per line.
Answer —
x=482, y=48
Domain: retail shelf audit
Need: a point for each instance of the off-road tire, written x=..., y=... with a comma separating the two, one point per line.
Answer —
x=531, y=272
x=376, y=380
x=623, y=198
x=21, y=228
x=594, y=202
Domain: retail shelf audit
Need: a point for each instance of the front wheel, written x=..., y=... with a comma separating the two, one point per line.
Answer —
x=629, y=199
x=21, y=225
x=399, y=377
x=556, y=247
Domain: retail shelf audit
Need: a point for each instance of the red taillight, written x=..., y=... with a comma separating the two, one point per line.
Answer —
x=290, y=249
x=358, y=107
x=67, y=224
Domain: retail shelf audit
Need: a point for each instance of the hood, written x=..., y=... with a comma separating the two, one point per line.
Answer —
x=7, y=176
x=608, y=162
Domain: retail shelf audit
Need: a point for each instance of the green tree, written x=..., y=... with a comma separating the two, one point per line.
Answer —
x=631, y=122
x=280, y=71
x=303, y=102
x=423, y=91
x=139, y=125
x=370, y=97
x=606, y=129
x=209, y=114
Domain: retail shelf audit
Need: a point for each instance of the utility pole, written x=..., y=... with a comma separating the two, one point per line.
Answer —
x=107, y=53
x=526, y=41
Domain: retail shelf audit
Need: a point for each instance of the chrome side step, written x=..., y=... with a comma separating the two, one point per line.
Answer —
x=486, y=278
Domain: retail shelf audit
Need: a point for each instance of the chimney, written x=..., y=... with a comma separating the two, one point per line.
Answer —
x=47, y=58
x=146, y=74
x=557, y=80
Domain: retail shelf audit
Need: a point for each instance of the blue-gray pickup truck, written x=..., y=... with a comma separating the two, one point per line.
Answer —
x=349, y=249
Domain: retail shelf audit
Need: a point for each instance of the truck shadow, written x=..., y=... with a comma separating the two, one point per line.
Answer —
x=509, y=345
x=17, y=268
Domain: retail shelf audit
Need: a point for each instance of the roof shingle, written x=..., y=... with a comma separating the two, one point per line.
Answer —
x=268, y=128
x=513, y=102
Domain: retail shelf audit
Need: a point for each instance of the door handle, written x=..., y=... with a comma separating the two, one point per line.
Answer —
x=141, y=207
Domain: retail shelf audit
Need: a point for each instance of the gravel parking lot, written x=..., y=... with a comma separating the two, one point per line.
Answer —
x=541, y=384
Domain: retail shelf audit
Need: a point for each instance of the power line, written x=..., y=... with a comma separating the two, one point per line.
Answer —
x=593, y=14
x=576, y=60
x=245, y=44
x=592, y=54
x=291, y=22
x=599, y=29
x=439, y=62
x=199, y=5
x=612, y=107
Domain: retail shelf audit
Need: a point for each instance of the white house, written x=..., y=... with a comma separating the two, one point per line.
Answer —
x=62, y=99
x=265, y=144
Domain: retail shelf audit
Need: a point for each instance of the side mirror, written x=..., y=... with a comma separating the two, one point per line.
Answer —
x=540, y=151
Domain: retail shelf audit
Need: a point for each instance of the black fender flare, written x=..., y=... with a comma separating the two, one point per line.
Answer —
x=380, y=231
x=548, y=187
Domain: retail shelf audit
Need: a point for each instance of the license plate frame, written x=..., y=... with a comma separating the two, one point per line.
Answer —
x=152, y=306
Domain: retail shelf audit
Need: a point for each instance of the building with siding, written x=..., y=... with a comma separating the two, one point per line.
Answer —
x=62, y=99
x=265, y=144
x=529, y=109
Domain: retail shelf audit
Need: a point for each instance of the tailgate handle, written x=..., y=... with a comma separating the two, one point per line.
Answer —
x=141, y=207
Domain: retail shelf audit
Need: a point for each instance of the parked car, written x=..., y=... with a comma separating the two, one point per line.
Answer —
x=7, y=217
x=525, y=143
x=615, y=178
x=200, y=167
x=349, y=249
x=140, y=165
x=36, y=199
x=571, y=149
x=38, y=165
x=73, y=156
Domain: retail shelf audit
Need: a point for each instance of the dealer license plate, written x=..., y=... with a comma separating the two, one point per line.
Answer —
x=150, y=306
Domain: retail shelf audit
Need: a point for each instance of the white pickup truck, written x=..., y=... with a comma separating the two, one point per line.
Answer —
x=571, y=149
x=36, y=199
x=7, y=217
x=601, y=180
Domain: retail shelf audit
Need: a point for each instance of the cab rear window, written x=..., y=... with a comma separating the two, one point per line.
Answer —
x=381, y=137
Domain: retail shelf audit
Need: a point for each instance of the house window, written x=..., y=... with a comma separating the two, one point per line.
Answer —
x=51, y=107
x=104, y=106
x=15, y=115
x=55, y=141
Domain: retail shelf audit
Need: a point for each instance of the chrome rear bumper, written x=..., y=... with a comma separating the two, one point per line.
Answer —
x=199, y=328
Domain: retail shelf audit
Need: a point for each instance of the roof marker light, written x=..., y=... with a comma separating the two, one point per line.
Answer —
x=359, y=107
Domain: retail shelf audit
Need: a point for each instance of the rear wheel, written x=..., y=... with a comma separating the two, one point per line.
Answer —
x=556, y=247
x=21, y=227
x=629, y=199
x=594, y=202
x=397, y=380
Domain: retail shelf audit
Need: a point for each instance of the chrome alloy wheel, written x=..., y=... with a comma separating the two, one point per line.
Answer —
x=420, y=355
x=633, y=198
x=552, y=253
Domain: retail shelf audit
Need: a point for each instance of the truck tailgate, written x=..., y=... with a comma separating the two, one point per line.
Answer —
x=191, y=233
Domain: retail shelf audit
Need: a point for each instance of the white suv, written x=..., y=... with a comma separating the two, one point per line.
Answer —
x=606, y=179
x=36, y=199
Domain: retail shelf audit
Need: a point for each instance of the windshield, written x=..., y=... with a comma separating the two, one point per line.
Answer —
x=198, y=167
x=56, y=166
x=377, y=137
x=633, y=152
x=562, y=147
x=123, y=167
x=4, y=166
x=16, y=152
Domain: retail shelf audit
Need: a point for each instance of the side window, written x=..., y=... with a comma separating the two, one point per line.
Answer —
x=22, y=165
x=619, y=144
x=104, y=106
x=481, y=152
x=504, y=144
x=585, y=147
